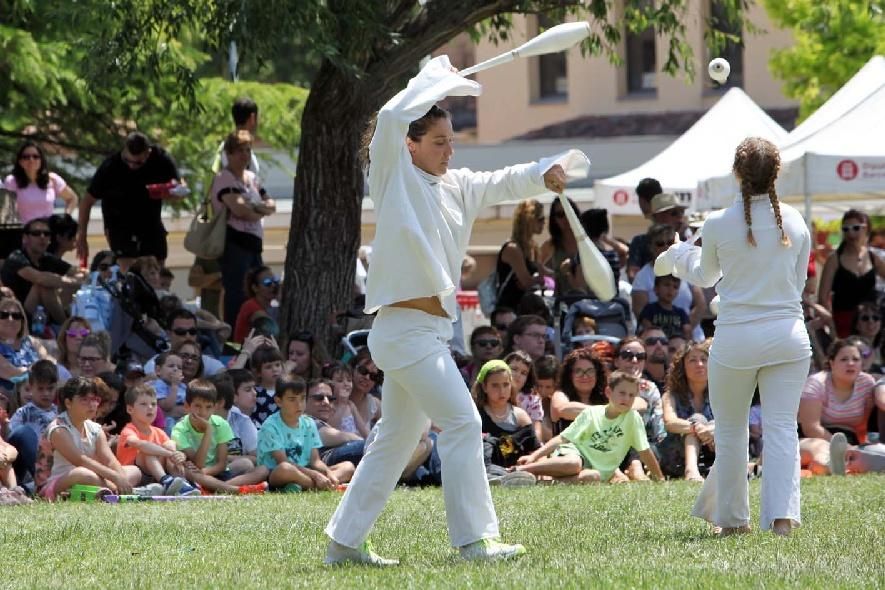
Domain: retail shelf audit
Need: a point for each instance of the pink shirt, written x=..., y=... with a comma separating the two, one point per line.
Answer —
x=851, y=413
x=33, y=202
x=250, y=193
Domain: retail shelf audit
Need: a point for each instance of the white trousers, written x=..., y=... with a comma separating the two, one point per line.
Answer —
x=430, y=386
x=724, y=498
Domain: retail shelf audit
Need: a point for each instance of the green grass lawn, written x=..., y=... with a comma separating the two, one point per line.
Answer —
x=630, y=536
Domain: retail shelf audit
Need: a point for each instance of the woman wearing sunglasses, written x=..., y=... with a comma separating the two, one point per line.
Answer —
x=849, y=275
x=262, y=288
x=367, y=378
x=35, y=187
x=630, y=358
x=868, y=328
x=69, y=339
x=18, y=349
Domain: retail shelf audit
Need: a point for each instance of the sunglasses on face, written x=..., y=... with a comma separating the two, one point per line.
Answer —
x=184, y=331
x=363, y=370
x=869, y=318
x=267, y=282
x=11, y=315
x=104, y=266
x=30, y=157
x=652, y=340
x=89, y=360
x=490, y=343
x=318, y=397
x=854, y=227
x=77, y=332
x=40, y=233
x=189, y=357
x=635, y=356
x=89, y=399
x=501, y=328
x=584, y=373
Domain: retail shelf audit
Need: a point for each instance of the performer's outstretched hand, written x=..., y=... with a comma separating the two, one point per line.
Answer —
x=555, y=179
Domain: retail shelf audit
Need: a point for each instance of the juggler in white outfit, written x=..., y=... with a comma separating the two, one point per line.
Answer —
x=760, y=339
x=422, y=233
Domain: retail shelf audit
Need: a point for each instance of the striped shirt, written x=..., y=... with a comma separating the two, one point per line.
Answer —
x=851, y=413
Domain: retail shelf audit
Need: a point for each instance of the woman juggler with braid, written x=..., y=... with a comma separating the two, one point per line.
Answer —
x=756, y=253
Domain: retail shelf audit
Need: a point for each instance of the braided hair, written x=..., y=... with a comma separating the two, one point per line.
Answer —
x=756, y=164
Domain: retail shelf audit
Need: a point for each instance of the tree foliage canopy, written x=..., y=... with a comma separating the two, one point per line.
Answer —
x=53, y=89
x=833, y=39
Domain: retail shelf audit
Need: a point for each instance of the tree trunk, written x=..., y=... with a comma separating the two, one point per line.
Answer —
x=325, y=231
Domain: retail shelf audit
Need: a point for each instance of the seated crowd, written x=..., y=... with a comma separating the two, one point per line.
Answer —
x=142, y=393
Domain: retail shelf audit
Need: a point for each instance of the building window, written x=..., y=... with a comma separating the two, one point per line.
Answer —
x=641, y=59
x=733, y=50
x=550, y=75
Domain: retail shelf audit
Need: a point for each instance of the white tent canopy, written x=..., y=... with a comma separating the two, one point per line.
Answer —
x=837, y=153
x=707, y=147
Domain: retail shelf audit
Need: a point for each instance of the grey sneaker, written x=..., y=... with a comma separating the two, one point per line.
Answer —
x=490, y=550
x=838, y=447
x=151, y=489
x=340, y=554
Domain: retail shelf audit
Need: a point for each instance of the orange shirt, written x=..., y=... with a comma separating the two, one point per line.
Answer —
x=125, y=453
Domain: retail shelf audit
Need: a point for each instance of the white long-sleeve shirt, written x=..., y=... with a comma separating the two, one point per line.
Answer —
x=424, y=221
x=758, y=283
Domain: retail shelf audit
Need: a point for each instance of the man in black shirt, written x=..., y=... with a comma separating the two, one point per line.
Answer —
x=37, y=277
x=132, y=222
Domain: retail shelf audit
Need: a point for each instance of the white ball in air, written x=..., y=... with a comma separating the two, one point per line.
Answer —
x=719, y=69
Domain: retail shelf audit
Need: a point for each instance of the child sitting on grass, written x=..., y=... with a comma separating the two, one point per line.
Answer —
x=288, y=444
x=148, y=447
x=242, y=449
x=546, y=371
x=169, y=387
x=592, y=447
x=203, y=437
x=346, y=417
x=29, y=422
x=79, y=449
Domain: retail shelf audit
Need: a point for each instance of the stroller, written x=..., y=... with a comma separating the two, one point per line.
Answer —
x=611, y=319
x=133, y=301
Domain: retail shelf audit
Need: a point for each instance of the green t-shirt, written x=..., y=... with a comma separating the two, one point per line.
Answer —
x=186, y=437
x=603, y=442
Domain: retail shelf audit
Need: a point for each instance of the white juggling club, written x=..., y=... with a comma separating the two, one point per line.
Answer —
x=554, y=39
x=596, y=270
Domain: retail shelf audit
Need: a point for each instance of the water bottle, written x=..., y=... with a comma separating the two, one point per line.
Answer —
x=38, y=322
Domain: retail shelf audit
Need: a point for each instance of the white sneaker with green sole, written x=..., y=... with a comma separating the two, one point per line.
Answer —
x=341, y=554
x=490, y=550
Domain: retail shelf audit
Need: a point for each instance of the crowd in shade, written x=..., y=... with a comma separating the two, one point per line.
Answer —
x=109, y=378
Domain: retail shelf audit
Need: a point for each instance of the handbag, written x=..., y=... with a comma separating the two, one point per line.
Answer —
x=488, y=290
x=206, y=235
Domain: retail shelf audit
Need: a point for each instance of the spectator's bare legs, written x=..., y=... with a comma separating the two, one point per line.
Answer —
x=636, y=472
x=257, y=475
x=815, y=453
x=343, y=472
x=692, y=450
x=287, y=473
x=151, y=465
x=558, y=467
x=50, y=300
x=241, y=465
